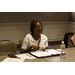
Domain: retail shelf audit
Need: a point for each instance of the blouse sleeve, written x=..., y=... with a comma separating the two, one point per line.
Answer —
x=25, y=43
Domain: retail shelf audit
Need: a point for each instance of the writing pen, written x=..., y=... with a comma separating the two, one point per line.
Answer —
x=28, y=55
x=45, y=51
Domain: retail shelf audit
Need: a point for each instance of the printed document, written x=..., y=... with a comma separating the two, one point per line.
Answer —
x=25, y=56
x=21, y=58
x=13, y=60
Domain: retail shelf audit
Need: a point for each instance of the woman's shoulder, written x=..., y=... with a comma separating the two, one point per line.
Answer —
x=28, y=35
x=43, y=36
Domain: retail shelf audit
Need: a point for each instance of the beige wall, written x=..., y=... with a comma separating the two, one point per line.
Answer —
x=13, y=31
x=16, y=24
x=23, y=17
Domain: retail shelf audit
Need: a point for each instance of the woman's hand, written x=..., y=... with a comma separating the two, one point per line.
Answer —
x=35, y=47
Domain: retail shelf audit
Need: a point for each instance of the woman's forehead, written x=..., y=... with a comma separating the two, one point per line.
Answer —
x=37, y=24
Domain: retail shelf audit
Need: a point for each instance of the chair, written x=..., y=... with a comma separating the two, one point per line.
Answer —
x=21, y=40
x=4, y=40
x=8, y=47
x=67, y=38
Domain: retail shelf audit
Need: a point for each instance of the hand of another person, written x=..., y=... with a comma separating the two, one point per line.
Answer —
x=74, y=39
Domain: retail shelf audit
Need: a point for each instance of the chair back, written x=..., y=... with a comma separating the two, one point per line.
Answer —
x=8, y=47
x=21, y=40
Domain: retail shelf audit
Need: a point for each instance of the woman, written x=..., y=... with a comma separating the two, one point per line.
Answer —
x=35, y=40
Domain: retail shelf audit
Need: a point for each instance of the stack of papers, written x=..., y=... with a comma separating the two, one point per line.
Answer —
x=12, y=60
x=21, y=58
x=25, y=56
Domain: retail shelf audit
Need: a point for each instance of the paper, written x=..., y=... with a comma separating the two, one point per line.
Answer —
x=59, y=50
x=13, y=60
x=40, y=53
x=48, y=52
x=53, y=51
x=21, y=56
x=25, y=56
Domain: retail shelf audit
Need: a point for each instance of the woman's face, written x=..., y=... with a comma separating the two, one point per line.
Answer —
x=38, y=28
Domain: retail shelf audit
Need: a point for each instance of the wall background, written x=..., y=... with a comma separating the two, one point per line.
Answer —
x=13, y=25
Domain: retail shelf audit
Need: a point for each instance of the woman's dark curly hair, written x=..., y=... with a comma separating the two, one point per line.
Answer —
x=32, y=25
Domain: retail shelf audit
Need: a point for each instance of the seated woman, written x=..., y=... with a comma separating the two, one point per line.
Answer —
x=35, y=40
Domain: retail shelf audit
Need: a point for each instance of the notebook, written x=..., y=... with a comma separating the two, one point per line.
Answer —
x=45, y=53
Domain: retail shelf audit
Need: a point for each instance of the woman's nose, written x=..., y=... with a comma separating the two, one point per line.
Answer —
x=40, y=28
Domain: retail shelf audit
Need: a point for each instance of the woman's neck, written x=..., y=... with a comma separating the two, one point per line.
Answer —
x=35, y=36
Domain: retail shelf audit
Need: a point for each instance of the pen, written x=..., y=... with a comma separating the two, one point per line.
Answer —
x=28, y=55
x=45, y=51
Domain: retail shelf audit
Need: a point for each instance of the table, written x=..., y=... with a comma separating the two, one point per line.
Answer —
x=70, y=57
x=35, y=60
x=27, y=60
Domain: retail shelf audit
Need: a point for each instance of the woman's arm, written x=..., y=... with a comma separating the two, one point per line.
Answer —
x=28, y=49
x=36, y=47
x=25, y=50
